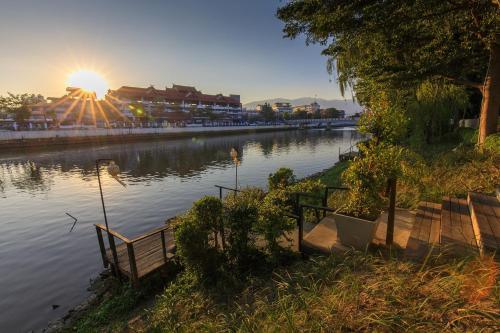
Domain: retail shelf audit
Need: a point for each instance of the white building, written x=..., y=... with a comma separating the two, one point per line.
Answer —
x=282, y=107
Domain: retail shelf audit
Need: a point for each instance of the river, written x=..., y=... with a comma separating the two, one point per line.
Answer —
x=44, y=262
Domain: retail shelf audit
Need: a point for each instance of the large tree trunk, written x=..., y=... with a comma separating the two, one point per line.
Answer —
x=491, y=95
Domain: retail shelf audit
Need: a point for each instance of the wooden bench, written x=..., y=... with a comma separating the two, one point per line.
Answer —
x=138, y=257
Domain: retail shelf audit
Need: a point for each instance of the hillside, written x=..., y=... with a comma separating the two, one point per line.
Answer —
x=348, y=105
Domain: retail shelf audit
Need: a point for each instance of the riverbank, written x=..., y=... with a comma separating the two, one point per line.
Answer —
x=37, y=139
x=33, y=139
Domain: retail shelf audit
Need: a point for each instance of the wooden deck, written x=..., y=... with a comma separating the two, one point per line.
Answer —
x=455, y=227
x=138, y=257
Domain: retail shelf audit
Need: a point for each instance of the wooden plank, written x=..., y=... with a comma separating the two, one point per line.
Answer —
x=485, y=215
x=435, y=232
x=418, y=243
x=403, y=225
x=467, y=233
x=446, y=227
x=457, y=235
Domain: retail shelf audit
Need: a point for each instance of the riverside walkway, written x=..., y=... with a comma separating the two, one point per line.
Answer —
x=36, y=138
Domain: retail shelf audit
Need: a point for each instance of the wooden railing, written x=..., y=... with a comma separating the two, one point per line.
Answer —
x=130, y=247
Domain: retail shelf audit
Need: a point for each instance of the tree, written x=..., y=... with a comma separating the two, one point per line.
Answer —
x=267, y=112
x=402, y=43
x=331, y=113
x=300, y=114
x=18, y=105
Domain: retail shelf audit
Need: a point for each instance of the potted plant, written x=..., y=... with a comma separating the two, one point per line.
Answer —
x=366, y=178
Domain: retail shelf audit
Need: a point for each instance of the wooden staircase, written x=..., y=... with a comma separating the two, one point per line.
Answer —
x=456, y=226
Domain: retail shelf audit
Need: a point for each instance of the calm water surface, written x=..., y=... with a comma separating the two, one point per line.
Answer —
x=42, y=263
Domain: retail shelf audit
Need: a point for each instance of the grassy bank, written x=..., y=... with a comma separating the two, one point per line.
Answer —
x=450, y=167
x=356, y=292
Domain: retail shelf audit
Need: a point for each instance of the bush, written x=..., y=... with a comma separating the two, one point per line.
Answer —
x=492, y=143
x=272, y=223
x=367, y=177
x=281, y=178
x=196, y=238
x=241, y=213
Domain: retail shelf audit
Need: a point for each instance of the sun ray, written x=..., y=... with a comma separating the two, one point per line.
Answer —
x=83, y=105
x=99, y=107
x=64, y=99
x=116, y=110
x=71, y=107
x=92, y=110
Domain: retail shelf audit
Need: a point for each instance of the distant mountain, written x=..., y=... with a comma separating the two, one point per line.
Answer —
x=348, y=106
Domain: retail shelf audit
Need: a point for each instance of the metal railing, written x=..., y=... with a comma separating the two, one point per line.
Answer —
x=221, y=188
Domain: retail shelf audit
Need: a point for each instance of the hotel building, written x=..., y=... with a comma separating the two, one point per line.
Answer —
x=170, y=101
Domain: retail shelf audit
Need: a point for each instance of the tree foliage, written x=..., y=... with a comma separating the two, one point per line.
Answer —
x=17, y=105
x=401, y=44
x=267, y=112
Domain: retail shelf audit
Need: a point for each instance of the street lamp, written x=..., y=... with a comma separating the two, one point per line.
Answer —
x=113, y=170
x=234, y=157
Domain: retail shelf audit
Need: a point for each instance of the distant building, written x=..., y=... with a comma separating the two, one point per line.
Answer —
x=171, y=100
x=75, y=107
x=133, y=104
x=282, y=107
x=314, y=107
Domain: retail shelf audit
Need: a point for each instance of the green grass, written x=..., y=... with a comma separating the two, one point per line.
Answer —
x=356, y=292
x=332, y=177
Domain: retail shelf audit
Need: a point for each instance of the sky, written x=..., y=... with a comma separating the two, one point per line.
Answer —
x=218, y=46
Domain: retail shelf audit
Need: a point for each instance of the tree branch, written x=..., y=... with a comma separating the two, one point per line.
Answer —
x=466, y=83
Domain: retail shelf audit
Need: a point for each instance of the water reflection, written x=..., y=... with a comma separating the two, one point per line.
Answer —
x=152, y=160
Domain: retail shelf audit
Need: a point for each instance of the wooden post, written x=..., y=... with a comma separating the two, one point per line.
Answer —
x=101, y=246
x=392, y=211
x=325, y=200
x=164, y=248
x=301, y=229
x=220, y=193
x=133, y=266
x=112, y=246
x=297, y=203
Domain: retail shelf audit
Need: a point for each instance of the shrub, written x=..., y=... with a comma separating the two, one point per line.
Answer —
x=281, y=178
x=367, y=177
x=196, y=238
x=241, y=213
x=272, y=223
x=208, y=211
x=492, y=143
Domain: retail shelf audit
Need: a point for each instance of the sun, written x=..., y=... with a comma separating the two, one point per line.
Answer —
x=89, y=81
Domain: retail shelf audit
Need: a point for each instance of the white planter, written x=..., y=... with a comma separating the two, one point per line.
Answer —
x=354, y=231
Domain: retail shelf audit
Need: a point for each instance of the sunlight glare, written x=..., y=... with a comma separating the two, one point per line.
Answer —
x=89, y=81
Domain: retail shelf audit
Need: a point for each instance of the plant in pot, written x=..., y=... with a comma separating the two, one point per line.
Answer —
x=366, y=178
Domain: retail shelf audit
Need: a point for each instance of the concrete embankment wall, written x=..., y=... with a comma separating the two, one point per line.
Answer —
x=27, y=139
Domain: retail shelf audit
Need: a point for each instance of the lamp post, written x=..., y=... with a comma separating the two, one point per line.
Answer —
x=113, y=170
x=234, y=157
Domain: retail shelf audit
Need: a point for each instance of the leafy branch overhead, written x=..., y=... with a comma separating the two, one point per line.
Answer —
x=400, y=44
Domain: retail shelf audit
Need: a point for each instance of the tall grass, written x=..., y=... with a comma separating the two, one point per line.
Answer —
x=356, y=292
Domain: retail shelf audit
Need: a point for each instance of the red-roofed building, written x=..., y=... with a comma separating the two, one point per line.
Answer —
x=170, y=101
